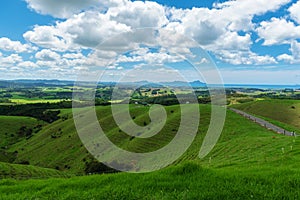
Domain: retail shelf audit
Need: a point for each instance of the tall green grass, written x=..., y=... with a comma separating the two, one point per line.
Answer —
x=248, y=162
x=186, y=181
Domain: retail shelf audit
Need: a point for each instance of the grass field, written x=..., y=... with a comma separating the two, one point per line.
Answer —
x=286, y=112
x=185, y=181
x=15, y=171
x=10, y=125
x=241, y=143
x=28, y=101
x=248, y=162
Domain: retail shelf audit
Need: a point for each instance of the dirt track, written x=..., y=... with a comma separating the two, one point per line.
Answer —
x=264, y=123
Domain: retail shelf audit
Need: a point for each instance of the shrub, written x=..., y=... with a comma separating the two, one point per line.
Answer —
x=97, y=167
x=24, y=162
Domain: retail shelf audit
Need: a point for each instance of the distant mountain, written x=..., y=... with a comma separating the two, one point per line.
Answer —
x=197, y=84
x=44, y=82
x=34, y=83
x=184, y=84
x=54, y=82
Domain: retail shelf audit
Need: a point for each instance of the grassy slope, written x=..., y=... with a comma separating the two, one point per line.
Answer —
x=67, y=152
x=10, y=125
x=27, y=171
x=242, y=142
x=186, y=181
x=286, y=112
x=62, y=152
x=247, y=162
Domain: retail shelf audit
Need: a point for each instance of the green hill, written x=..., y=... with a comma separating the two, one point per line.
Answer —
x=242, y=142
x=58, y=145
x=10, y=128
x=14, y=129
x=248, y=162
x=285, y=113
x=27, y=172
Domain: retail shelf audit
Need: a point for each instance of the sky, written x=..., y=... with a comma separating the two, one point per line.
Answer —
x=249, y=41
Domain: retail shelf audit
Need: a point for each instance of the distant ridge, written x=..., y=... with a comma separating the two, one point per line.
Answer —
x=55, y=82
x=194, y=84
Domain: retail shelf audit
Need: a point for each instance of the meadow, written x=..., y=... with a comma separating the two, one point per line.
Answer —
x=248, y=162
x=285, y=113
x=185, y=181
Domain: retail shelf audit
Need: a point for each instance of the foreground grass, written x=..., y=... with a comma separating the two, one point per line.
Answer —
x=248, y=162
x=186, y=181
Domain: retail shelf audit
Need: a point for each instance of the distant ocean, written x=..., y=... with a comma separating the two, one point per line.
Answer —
x=262, y=86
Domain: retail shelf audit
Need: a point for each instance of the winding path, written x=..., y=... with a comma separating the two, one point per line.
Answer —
x=264, y=123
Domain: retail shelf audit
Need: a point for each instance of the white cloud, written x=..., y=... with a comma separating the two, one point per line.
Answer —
x=238, y=57
x=295, y=49
x=47, y=55
x=15, y=46
x=10, y=60
x=139, y=14
x=208, y=24
x=231, y=41
x=295, y=11
x=217, y=29
x=85, y=30
x=91, y=28
x=295, y=54
x=278, y=31
x=150, y=57
x=27, y=64
x=73, y=55
x=224, y=30
x=286, y=58
x=48, y=37
x=66, y=8
x=239, y=13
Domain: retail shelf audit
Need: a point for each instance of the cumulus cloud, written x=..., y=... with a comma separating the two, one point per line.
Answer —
x=48, y=37
x=66, y=8
x=244, y=58
x=295, y=11
x=278, y=31
x=151, y=58
x=295, y=54
x=15, y=46
x=27, y=64
x=218, y=29
x=84, y=30
x=91, y=28
x=73, y=55
x=226, y=30
x=47, y=55
x=139, y=14
x=10, y=60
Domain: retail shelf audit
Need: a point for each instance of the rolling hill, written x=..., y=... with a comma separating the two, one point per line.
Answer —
x=11, y=125
x=242, y=142
x=248, y=162
x=285, y=113
x=17, y=171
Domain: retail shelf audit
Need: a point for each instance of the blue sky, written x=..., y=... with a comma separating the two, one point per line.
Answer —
x=251, y=41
